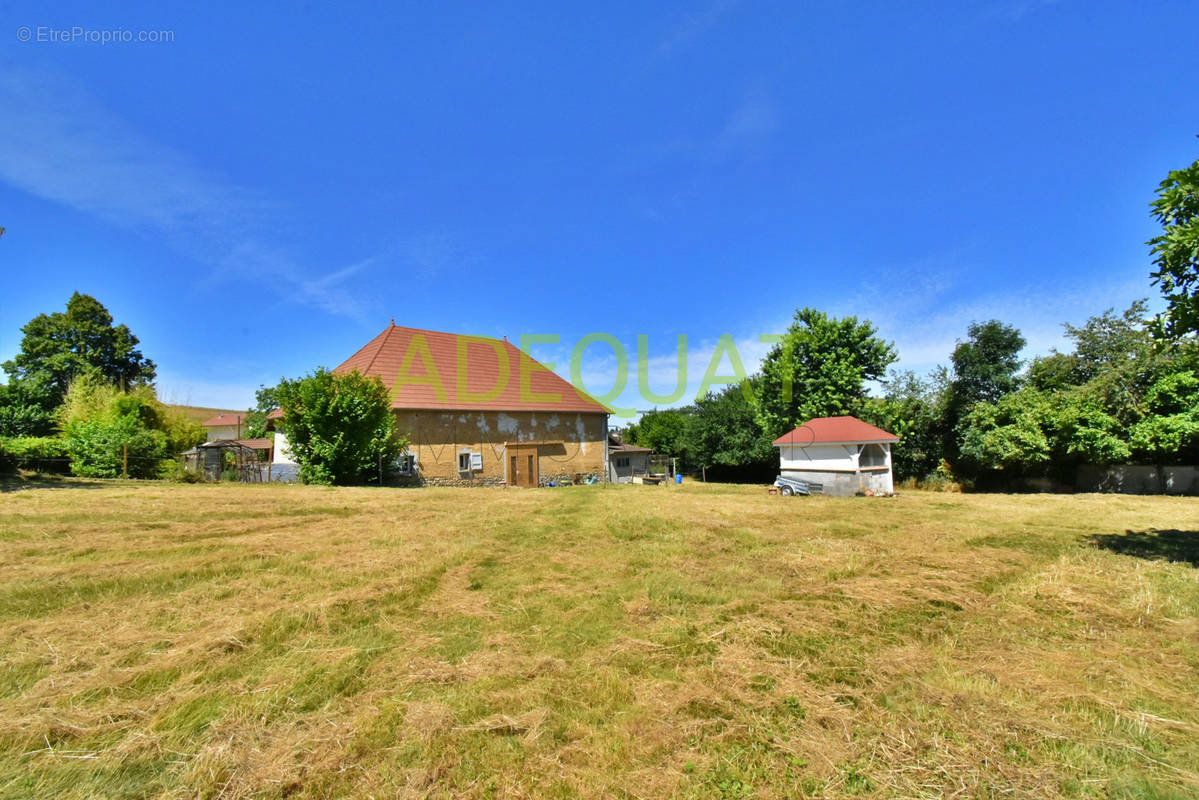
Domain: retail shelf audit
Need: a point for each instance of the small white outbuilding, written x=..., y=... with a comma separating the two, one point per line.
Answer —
x=843, y=454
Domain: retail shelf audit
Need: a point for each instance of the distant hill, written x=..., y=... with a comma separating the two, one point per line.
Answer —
x=201, y=413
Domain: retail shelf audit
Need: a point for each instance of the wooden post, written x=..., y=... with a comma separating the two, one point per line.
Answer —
x=380, y=469
x=125, y=460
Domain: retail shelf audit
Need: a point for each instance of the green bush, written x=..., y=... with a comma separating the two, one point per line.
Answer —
x=174, y=471
x=340, y=427
x=98, y=447
x=36, y=453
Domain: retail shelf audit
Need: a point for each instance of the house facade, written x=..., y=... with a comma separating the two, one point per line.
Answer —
x=479, y=411
x=224, y=425
x=843, y=454
x=626, y=460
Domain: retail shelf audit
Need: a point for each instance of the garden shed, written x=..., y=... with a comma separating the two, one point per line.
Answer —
x=844, y=454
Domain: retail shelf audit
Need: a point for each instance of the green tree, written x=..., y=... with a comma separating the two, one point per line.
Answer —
x=1176, y=250
x=911, y=408
x=26, y=408
x=100, y=423
x=985, y=367
x=100, y=447
x=58, y=347
x=722, y=430
x=819, y=369
x=340, y=427
x=1031, y=432
x=1169, y=432
x=661, y=431
x=266, y=400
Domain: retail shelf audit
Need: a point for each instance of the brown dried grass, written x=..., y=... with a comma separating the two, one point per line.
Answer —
x=237, y=642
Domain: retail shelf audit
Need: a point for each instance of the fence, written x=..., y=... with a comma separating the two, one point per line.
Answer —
x=1138, y=479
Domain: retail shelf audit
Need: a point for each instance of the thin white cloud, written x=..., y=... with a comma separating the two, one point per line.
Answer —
x=59, y=144
x=754, y=119
x=693, y=26
x=434, y=254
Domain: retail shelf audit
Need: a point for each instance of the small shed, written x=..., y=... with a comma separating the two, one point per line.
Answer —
x=843, y=454
x=248, y=458
x=626, y=460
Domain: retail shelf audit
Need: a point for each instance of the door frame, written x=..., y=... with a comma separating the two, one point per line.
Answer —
x=521, y=453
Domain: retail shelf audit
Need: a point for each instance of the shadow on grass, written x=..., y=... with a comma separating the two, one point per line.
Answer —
x=1164, y=545
x=16, y=483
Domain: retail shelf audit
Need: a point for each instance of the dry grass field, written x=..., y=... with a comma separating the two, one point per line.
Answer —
x=639, y=642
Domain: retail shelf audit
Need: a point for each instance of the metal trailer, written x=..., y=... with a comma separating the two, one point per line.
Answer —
x=792, y=486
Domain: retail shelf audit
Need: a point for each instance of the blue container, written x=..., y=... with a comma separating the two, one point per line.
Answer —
x=678, y=478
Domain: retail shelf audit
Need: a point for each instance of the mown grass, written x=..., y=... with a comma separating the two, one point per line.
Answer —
x=693, y=642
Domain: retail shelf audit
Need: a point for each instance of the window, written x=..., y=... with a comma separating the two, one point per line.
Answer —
x=873, y=455
x=406, y=464
x=469, y=462
x=464, y=461
x=622, y=461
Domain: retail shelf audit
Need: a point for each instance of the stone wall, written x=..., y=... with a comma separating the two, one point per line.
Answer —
x=568, y=444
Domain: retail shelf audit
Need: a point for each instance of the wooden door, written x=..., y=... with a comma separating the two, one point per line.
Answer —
x=522, y=467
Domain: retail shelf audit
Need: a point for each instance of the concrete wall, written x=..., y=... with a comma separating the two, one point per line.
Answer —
x=437, y=437
x=818, y=456
x=1138, y=479
x=222, y=432
x=282, y=449
x=846, y=484
x=638, y=463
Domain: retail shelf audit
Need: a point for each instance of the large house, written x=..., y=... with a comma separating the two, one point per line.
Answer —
x=481, y=411
x=843, y=454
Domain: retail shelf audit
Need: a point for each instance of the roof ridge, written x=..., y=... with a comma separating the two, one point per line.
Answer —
x=386, y=335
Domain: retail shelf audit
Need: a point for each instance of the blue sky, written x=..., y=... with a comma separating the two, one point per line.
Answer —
x=262, y=194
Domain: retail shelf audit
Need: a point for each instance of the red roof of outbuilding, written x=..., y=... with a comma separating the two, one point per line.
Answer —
x=224, y=418
x=835, y=430
x=483, y=370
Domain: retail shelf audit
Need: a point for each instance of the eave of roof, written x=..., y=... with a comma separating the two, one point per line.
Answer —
x=835, y=430
x=224, y=419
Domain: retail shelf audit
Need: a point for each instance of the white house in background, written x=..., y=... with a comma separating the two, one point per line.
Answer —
x=283, y=466
x=225, y=425
x=843, y=454
x=231, y=426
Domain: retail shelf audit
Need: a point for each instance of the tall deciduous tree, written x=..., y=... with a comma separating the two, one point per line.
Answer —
x=985, y=366
x=661, y=431
x=984, y=370
x=1176, y=251
x=58, y=347
x=819, y=369
x=722, y=430
x=340, y=427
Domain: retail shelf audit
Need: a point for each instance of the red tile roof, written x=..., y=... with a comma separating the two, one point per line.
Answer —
x=224, y=418
x=431, y=357
x=835, y=430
